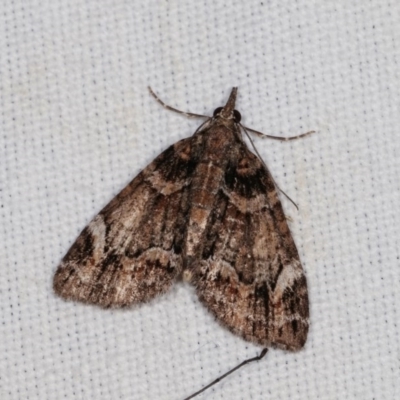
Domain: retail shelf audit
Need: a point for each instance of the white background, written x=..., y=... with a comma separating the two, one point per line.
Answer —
x=77, y=124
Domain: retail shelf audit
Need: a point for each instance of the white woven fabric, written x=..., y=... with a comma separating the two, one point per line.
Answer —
x=77, y=124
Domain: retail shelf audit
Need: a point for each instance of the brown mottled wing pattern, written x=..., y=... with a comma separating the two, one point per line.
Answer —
x=206, y=209
x=250, y=276
x=131, y=251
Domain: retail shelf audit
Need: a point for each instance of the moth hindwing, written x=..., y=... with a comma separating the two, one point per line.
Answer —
x=205, y=210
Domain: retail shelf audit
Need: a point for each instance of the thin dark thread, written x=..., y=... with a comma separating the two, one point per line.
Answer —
x=257, y=358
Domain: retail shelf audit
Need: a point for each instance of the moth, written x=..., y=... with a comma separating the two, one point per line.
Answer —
x=207, y=211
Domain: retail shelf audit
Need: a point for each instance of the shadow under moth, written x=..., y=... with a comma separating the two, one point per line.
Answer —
x=207, y=211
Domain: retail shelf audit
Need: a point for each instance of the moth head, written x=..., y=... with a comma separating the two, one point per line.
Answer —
x=236, y=116
x=228, y=112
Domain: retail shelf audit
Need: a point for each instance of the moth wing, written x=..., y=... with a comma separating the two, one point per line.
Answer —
x=131, y=251
x=251, y=277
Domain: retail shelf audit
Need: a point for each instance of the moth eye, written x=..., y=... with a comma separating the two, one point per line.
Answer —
x=236, y=116
x=217, y=111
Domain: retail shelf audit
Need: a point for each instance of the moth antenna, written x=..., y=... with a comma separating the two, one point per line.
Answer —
x=283, y=139
x=257, y=358
x=188, y=114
